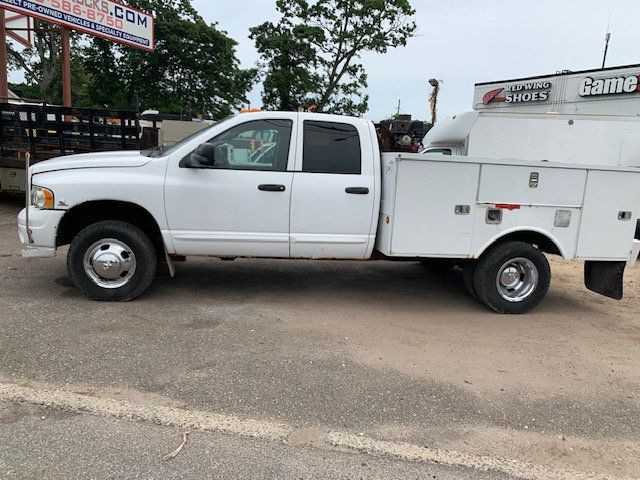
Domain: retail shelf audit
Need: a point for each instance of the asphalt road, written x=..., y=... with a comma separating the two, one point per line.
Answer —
x=330, y=352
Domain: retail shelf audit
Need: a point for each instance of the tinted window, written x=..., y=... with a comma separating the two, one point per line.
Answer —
x=331, y=147
x=256, y=145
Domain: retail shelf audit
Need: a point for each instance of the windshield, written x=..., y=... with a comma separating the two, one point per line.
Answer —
x=163, y=151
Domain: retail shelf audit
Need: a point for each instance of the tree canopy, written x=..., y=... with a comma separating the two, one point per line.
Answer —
x=312, y=55
x=310, y=58
x=194, y=66
x=290, y=63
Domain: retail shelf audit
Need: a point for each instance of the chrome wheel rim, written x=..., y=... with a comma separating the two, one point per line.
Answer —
x=109, y=263
x=517, y=279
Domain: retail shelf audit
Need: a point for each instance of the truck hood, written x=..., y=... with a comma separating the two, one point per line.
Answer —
x=92, y=160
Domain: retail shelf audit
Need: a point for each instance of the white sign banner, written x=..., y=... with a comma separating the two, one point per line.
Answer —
x=101, y=18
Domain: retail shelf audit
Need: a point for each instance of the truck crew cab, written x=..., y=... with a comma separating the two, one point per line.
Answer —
x=305, y=185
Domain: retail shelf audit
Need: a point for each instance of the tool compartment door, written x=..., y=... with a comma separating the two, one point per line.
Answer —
x=532, y=185
x=606, y=233
x=425, y=222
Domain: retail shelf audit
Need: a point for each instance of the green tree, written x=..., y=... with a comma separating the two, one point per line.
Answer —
x=42, y=66
x=334, y=34
x=106, y=85
x=291, y=80
x=194, y=66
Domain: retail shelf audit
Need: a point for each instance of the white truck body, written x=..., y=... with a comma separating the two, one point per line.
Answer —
x=421, y=193
x=592, y=139
x=308, y=204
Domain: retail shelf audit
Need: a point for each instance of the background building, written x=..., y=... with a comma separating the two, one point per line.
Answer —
x=608, y=91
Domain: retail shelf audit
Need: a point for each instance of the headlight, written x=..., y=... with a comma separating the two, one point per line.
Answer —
x=41, y=197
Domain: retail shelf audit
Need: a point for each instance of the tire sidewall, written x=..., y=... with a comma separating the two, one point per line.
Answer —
x=486, y=272
x=468, y=274
x=130, y=235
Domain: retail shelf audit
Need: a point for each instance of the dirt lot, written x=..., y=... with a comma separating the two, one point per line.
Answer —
x=301, y=369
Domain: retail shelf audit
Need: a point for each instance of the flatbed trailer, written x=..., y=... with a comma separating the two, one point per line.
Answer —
x=48, y=131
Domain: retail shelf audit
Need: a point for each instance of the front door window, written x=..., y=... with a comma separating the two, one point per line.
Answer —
x=256, y=145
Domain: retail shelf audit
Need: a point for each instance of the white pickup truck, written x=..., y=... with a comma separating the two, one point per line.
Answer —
x=305, y=185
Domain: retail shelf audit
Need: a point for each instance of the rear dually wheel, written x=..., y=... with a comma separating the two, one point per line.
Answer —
x=512, y=277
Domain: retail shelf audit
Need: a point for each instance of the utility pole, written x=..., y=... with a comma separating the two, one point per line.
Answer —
x=66, y=67
x=4, y=81
x=433, y=99
x=399, y=100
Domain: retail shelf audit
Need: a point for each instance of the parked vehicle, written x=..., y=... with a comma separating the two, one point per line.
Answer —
x=597, y=139
x=592, y=139
x=47, y=131
x=306, y=185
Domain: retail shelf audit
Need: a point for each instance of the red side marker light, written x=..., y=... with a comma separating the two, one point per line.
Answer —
x=508, y=206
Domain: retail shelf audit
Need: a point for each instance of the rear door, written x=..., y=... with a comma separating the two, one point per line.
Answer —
x=333, y=192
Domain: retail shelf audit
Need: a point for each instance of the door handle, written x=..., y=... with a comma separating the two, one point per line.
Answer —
x=267, y=187
x=357, y=190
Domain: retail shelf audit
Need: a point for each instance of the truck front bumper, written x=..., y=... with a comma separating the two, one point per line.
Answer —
x=43, y=225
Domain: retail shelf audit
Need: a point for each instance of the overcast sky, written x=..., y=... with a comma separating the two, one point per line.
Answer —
x=463, y=42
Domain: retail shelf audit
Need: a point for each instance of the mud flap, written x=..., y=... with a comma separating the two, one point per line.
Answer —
x=605, y=278
x=172, y=268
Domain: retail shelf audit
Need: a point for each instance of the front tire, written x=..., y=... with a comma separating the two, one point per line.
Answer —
x=512, y=277
x=112, y=261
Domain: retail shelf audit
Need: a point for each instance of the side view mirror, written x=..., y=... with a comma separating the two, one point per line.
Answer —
x=203, y=156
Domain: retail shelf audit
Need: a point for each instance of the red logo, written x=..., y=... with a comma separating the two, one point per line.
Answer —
x=492, y=96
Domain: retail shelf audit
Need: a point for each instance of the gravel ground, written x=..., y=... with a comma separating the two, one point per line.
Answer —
x=381, y=349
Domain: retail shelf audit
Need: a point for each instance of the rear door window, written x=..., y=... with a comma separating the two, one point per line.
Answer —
x=331, y=147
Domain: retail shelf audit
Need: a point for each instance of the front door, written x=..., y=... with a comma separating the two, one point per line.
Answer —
x=333, y=193
x=239, y=204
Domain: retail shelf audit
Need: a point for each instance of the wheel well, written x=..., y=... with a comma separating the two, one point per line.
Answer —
x=537, y=239
x=88, y=213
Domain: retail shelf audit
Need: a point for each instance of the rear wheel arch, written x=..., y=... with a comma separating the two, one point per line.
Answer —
x=541, y=240
x=88, y=213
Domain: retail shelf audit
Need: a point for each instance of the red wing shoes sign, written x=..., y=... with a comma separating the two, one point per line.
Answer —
x=519, y=93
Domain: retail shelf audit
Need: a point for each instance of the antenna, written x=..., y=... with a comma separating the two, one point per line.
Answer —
x=607, y=38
